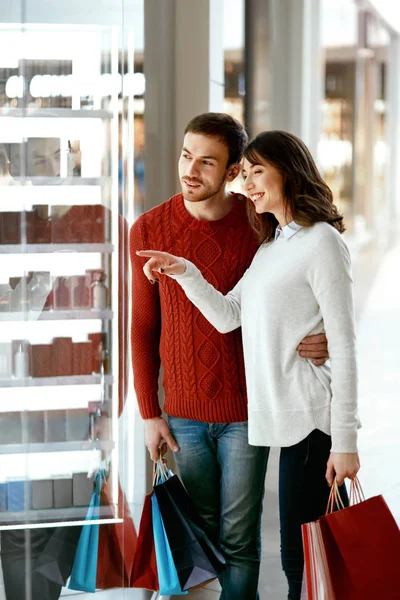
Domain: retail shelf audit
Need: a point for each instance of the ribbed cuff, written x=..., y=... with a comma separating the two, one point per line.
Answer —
x=149, y=406
x=344, y=441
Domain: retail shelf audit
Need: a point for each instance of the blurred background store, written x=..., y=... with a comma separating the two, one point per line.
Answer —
x=109, y=85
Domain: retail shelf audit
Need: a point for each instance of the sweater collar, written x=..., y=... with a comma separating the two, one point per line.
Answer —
x=210, y=226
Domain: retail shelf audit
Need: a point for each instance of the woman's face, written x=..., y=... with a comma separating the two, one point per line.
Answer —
x=263, y=184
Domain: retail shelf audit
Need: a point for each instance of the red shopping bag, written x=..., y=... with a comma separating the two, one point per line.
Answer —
x=144, y=570
x=117, y=544
x=354, y=553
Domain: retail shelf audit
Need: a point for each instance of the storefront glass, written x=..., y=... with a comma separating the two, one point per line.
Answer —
x=71, y=181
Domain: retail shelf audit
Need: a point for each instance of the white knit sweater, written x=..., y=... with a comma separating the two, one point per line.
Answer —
x=294, y=288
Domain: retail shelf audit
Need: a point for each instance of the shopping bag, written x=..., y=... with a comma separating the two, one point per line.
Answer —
x=167, y=574
x=83, y=575
x=190, y=558
x=144, y=568
x=179, y=496
x=365, y=541
x=117, y=543
x=356, y=551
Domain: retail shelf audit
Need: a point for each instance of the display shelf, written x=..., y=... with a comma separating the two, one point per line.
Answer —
x=63, y=113
x=68, y=181
x=51, y=516
x=23, y=249
x=57, y=315
x=48, y=381
x=56, y=447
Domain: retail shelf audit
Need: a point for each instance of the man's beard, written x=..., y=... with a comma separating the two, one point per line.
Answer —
x=201, y=194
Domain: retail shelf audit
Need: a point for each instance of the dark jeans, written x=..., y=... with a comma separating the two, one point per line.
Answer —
x=303, y=497
x=224, y=476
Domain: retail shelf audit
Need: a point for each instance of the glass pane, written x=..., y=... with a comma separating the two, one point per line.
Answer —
x=68, y=96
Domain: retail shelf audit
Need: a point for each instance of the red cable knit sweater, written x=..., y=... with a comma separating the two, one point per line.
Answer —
x=203, y=370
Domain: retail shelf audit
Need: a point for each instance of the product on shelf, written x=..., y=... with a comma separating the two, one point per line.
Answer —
x=62, y=492
x=42, y=494
x=80, y=291
x=20, y=358
x=56, y=224
x=98, y=343
x=62, y=357
x=39, y=289
x=82, y=489
x=42, y=225
x=82, y=358
x=11, y=228
x=21, y=362
x=19, y=294
x=55, y=426
x=62, y=293
x=33, y=426
x=11, y=427
x=18, y=495
x=99, y=291
x=77, y=425
x=41, y=360
x=3, y=497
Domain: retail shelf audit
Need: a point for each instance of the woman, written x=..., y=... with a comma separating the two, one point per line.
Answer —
x=298, y=284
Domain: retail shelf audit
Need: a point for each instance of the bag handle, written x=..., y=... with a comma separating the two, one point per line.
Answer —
x=160, y=471
x=334, y=498
x=356, y=492
x=356, y=495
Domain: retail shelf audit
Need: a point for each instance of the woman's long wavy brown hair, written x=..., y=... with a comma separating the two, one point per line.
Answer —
x=307, y=197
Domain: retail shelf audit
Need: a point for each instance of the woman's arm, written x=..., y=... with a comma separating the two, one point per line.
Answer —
x=223, y=312
x=332, y=284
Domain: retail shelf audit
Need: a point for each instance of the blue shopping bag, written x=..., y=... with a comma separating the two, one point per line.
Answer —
x=167, y=574
x=84, y=570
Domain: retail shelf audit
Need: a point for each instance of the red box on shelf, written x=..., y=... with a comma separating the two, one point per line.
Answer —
x=98, y=343
x=99, y=224
x=80, y=224
x=62, y=227
x=11, y=227
x=42, y=360
x=62, y=356
x=42, y=225
x=82, y=358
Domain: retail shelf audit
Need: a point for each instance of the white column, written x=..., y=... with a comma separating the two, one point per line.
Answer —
x=296, y=69
x=285, y=55
x=393, y=128
x=184, y=77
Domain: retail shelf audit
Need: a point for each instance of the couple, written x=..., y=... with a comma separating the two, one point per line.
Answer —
x=282, y=273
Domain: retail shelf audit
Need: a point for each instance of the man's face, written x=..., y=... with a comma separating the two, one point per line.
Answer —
x=203, y=166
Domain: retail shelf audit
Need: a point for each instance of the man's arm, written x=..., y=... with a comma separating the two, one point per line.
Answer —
x=145, y=341
x=145, y=331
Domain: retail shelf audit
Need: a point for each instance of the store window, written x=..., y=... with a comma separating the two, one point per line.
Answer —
x=352, y=151
x=71, y=181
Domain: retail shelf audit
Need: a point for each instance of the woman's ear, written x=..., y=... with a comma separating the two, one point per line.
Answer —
x=233, y=171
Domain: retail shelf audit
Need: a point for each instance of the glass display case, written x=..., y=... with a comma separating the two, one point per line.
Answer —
x=65, y=168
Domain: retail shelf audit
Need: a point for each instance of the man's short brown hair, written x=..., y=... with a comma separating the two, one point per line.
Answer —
x=223, y=127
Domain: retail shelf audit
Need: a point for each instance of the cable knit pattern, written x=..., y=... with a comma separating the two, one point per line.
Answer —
x=203, y=369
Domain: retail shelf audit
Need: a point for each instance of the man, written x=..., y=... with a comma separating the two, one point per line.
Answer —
x=204, y=382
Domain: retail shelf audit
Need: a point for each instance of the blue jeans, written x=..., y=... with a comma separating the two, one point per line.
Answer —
x=303, y=497
x=225, y=476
